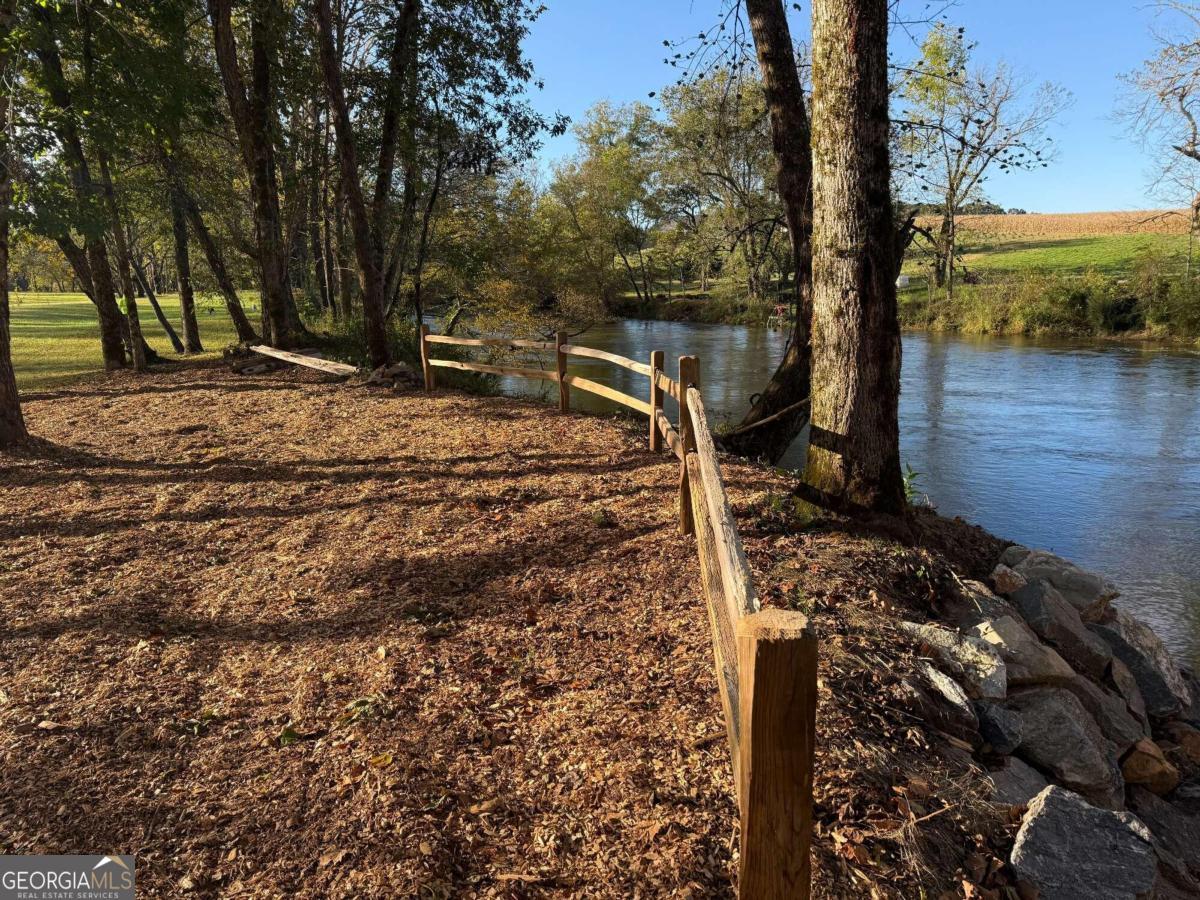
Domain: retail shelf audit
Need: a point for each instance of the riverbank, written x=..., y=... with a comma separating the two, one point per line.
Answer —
x=1037, y=306
x=273, y=635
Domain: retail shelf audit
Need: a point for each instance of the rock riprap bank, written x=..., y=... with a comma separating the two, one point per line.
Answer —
x=1081, y=718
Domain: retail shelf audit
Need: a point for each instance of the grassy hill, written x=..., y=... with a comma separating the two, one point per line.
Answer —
x=1071, y=273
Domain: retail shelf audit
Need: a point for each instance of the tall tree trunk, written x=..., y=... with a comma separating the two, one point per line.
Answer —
x=113, y=326
x=367, y=247
x=212, y=253
x=342, y=255
x=183, y=275
x=319, y=163
x=147, y=286
x=254, y=117
x=124, y=268
x=781, y=411
x=854, y=447
x=12, y=422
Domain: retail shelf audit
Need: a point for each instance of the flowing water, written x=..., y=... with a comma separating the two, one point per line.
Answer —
x=1088, y=449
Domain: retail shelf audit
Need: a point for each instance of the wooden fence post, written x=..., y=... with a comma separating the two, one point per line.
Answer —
x=564, y=389
x=777, y=672
x=426, y=369
x=689, y=375
x=657, y=358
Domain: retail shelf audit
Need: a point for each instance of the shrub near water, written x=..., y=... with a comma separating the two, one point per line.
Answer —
x=1153, y=300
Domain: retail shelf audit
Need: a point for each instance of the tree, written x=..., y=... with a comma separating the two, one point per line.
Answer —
x=963, y=121
x=716, y=170
x=1162, y=105
x=12, y=423
x=610, y=192
x=367, y=229
x=782, y=408
x=854, y=447
x=255, y=116
x=91, y=262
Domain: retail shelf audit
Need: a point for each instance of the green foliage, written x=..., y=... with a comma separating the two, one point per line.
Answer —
x=912, y=487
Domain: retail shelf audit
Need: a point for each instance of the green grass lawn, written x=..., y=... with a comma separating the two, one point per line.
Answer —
x=1110, y=254
x=55, y=337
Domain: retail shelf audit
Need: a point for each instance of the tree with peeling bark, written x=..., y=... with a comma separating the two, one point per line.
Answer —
x=854, y=448
x=12, y=422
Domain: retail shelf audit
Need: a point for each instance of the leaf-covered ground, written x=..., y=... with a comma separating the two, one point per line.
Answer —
x=282, y=637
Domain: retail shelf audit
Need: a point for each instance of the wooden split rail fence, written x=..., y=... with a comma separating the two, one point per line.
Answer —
x=766, y=660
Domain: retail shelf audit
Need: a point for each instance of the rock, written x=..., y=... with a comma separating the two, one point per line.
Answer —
x=1006, y=580
x=1188, y=739
x=1089, y=594
x=1026, y=659
x=977, y=665
x=943, y=706
x=1192, y=713
x=1000, y=728
x=1056, y=622
x=1157, y=676
x=1187, y=796
x=1175, y=830
x=1014, y=555
x=950, y=710
x=1126, y=686
x=1017, y=783
x=1069, y=850
x=1146, y=765
x=1110, y=713
x=1062, y=739
x=976, y=603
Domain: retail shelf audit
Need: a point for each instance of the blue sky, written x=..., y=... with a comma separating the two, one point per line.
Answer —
x=589, y=50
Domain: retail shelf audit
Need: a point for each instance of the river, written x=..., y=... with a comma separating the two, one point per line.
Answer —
x=1089, y=449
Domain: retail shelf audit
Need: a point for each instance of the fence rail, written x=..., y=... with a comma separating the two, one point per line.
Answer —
x=765, y=660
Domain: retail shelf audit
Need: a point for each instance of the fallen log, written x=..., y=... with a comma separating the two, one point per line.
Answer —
x=306, y=360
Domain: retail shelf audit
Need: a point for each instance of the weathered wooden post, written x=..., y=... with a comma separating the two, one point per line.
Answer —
x=689, y=376
x=426, y=368
x=564, y=389
x=777, y=673
x=657, y=358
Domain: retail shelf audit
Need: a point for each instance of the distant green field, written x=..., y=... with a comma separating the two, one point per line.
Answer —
x=56, y=337
x=1111, y=254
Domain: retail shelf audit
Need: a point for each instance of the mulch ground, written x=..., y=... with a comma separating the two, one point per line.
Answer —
x=283, y=637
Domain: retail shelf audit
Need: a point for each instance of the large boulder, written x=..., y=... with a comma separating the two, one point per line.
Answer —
x=1109, y=711
x=1139, y=648
x=1058, y=623
x=1013, y=555
x=1192, y=713
x=1147, y=766
x=976, y=664
x=999, y=727
x=1062, y=739
x=1026, y=659
x=1126, y=685
x=1175, y=830
x=1017, y=783
x=1006, y=580
x=941, y=703
x=1069, y=850
x=1089, y=594
x=1188, y=739
x=975, y=602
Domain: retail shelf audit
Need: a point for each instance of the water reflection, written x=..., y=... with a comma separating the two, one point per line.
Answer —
x=1089, y=449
